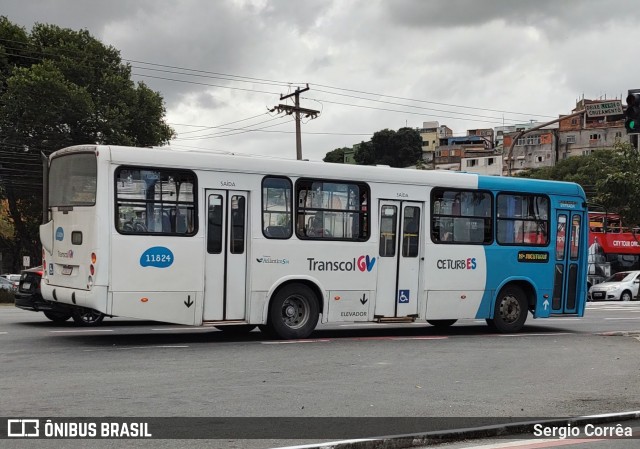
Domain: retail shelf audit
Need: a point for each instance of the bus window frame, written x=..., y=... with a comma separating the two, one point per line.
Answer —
x=193, y=203
x=523, y=243
x=364, y=209
x=491, y=216
x=290, y=212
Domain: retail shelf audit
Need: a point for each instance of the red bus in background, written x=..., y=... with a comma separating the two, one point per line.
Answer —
x=612, y=247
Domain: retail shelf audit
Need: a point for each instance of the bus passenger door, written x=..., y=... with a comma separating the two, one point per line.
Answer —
x=399, y=259
x=226, y=255
x=567, y=255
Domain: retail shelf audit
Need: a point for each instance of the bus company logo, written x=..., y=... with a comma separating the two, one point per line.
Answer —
x=157, y=256
x=269, y=259
x=457, y=264
x=363, y=264
x=60, y=234
x=67, y=255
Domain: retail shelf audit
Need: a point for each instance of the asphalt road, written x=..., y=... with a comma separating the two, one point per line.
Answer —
x=128, y=368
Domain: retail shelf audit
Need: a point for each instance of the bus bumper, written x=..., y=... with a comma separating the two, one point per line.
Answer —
x=96, y=298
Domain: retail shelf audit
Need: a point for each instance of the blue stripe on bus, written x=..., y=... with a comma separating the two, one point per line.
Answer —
x=530, y=185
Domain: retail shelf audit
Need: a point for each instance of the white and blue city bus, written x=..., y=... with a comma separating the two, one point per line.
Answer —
x=236, y=242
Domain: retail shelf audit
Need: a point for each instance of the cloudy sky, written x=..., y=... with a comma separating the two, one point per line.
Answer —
x=372, y=64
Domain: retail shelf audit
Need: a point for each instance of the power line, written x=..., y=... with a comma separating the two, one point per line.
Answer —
x=239, y=78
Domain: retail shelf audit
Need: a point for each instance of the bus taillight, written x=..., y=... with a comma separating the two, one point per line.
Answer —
x=92, y=270
x=93, y=258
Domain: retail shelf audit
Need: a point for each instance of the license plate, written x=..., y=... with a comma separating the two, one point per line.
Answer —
x=598, y=295
x=26, y=285
x=67, y=270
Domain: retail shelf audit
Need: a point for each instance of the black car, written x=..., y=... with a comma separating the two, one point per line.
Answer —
x=29, y=297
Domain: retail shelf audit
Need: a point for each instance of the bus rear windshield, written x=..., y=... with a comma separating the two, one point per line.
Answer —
x=72, y=180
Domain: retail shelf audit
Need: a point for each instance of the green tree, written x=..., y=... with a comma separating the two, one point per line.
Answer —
x=400, y=148
x=61, y=87
x=335, y=156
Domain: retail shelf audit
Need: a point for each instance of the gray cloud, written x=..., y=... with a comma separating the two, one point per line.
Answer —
x=509, y=55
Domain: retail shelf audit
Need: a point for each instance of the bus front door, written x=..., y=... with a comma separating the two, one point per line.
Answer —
x=226, y=256
x=399, y=259
x=567, y=256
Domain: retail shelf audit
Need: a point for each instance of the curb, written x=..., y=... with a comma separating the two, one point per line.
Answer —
x=447, y=436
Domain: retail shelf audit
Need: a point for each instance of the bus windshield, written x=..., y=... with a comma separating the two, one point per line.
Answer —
x=72, y=180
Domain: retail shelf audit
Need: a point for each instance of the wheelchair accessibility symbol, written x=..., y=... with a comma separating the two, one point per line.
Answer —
x=403, y=296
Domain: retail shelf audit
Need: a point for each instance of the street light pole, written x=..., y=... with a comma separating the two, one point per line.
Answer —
x=535, y=128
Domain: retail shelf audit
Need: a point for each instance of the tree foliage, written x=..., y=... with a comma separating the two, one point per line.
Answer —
x=609, y=177
x=335, y=156
x=400, y=148
x=60, y=87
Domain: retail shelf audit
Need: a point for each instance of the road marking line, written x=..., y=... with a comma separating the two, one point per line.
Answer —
x=631, y=319
x=419, y=338
x=81, y=331
x=534, y=444
x=2, y=333
x=534, y=335
x=290, y=342
x=566, y=319
x=136, y=347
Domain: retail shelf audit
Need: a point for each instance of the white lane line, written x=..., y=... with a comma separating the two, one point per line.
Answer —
x=2, y=333
x=293, y=342
x=419, y=338
x=629, y=319
x=534, y=335
x=127, y=348
x=566, y=319
x=81, y=331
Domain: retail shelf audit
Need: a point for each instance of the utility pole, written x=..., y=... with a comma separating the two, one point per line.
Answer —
x=297, y=110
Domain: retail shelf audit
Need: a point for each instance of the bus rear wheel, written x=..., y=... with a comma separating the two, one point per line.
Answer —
x=87, y=317
x=293, y=312
x=441, y=324
x=511, y=310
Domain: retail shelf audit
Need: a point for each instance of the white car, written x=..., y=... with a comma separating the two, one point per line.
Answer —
x=621, y=286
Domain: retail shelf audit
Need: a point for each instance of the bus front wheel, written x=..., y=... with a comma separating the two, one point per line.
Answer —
x=293, y=312
x=511, y=310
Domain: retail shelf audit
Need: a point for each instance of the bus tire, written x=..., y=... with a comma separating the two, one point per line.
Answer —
x=57, y=317
x=86, y=317
x=511, y=310
x=293, y=312
x=441, y=324
x=236, y=329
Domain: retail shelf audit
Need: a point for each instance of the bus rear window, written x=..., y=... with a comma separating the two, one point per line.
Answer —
x=72, y=180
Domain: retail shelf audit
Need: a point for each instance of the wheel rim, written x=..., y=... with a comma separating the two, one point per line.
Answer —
x=510, y=309
x=295, y=311
x=90, y=316
x=626, y=296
